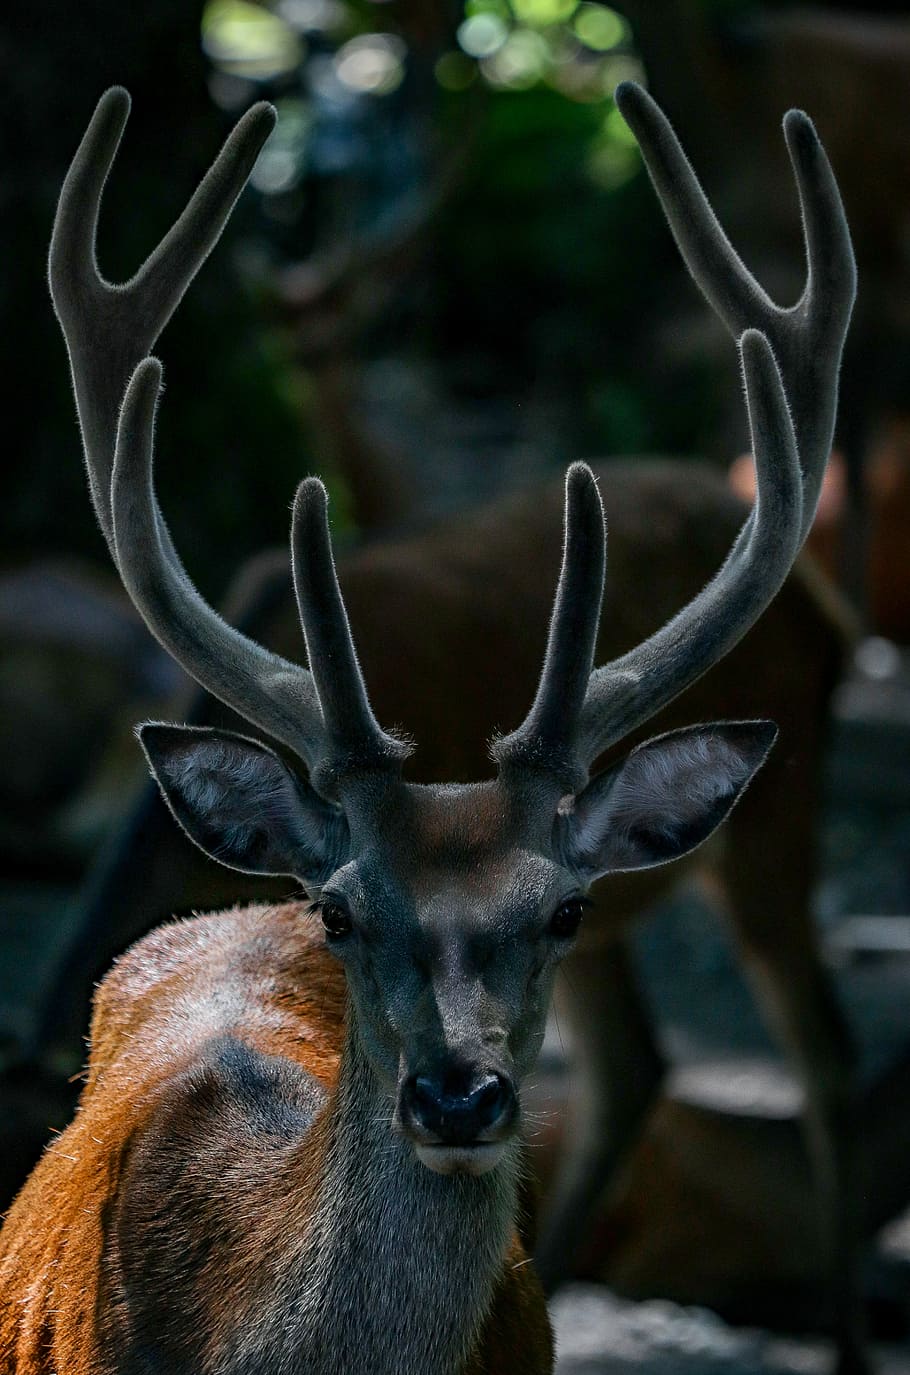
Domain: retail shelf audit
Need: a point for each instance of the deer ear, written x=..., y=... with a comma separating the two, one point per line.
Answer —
x=241, y=804
x=663, y=799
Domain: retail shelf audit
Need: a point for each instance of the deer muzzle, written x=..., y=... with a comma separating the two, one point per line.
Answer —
x=459, y=1119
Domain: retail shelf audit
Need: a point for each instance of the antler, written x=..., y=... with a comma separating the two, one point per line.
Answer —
x=109, y=330
x=110, y=327
x=790, y=446
x=547, y=741
x=807, y=338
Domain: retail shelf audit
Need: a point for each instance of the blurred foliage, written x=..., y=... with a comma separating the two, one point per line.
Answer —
x=542, y=271
x=550, y=254
x=552, y=273
x=231, y=445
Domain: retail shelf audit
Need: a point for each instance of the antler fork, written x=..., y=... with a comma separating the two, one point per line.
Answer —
x=110, y=327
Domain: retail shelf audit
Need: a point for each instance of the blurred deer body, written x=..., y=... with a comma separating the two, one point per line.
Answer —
x=282, y=1166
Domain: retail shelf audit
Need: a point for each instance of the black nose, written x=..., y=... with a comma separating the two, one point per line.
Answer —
x=457, y=1107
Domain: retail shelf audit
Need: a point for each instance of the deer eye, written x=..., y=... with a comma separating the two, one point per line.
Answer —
x=566, y=920
x=335, y=919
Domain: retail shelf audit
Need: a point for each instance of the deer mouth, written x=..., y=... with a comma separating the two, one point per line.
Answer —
x=472, y=1158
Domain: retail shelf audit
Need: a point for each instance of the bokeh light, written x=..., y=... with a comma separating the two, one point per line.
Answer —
x=599, y=28
x=481, y=34
x=542, y=13
x=248, y=40
x=372, y=63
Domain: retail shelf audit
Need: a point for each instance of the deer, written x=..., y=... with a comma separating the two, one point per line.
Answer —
x=300, y=1138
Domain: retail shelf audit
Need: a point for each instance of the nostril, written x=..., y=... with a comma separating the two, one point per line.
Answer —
x=425, y=1094
x=488, y=1096
x=457, y=1110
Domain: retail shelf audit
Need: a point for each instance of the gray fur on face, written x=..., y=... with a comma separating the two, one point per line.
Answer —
x=452, y=966
x=400, y=1278
x=450, y=890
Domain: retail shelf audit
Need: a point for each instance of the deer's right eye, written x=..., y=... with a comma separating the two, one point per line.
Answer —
x=566, y=920
x=335, y=919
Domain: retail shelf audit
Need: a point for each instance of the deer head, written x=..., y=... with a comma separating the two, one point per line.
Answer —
x=449, y=906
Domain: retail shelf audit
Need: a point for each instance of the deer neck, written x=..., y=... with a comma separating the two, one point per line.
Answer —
x=399, y=1266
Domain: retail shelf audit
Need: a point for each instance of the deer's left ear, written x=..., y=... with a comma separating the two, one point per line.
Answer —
x=663, y=799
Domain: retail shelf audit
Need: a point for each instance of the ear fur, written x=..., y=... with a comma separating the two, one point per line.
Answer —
x=663, y=799
x=241, y=804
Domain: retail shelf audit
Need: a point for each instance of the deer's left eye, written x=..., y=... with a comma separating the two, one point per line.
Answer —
x=566, y=920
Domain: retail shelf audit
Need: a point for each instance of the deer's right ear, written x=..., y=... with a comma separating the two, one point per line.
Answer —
x=241, y=804
x=664, y=798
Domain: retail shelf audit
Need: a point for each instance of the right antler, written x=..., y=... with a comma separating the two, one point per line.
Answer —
x=791, y=446
x=109, y=330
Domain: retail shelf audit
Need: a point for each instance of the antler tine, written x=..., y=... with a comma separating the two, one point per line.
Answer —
x=723, y=278
x=274, y=694
x=72, y=268
x=813, y=331
x=807, y=338
x=109, y=328
x=632, y=688
x=77, y=290
x=353, y=737
x=546, y=739
x=161, y=281
x=831, y=266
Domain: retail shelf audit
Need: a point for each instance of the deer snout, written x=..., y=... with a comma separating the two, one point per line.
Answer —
x=458, y=1119
x=457, y=1113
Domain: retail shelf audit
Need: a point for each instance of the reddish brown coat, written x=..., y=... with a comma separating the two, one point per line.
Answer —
x=262, y=975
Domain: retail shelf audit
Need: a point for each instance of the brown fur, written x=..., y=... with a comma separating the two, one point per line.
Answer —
x=262, y=976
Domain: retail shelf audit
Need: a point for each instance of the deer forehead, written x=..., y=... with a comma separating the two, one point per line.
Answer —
x=447, y=855
x=440, y=825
